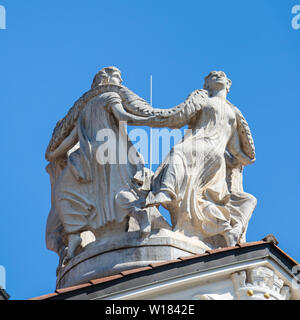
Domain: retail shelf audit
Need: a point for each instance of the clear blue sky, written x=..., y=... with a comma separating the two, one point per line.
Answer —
x=50, y=53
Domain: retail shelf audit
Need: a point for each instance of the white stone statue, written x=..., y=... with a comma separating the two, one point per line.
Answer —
x=114, y=198
x=88, y=195
x=200, y=181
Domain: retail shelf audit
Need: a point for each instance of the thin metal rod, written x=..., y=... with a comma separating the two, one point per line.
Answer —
x=150, y=151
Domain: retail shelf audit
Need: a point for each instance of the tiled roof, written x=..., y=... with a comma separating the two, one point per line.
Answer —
x=171, y=262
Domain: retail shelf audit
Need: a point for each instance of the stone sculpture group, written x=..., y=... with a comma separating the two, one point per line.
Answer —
x=101, y=206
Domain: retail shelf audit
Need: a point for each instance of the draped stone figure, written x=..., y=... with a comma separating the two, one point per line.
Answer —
x=96, y=189
x=88, y=195
x=200, y=181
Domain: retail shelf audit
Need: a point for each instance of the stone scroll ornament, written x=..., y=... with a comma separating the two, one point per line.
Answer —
x=199, y=182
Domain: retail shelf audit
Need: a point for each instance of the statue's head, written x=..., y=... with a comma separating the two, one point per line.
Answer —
x=108, y=75
x=217, y=80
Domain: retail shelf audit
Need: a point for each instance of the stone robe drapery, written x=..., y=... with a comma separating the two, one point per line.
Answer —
x=205, y=188
x=87, y=194
x=194, y=174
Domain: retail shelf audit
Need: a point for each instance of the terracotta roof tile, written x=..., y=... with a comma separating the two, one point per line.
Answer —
x=160, y=264
x=127, y=272
x=294, y=261
x=64, y=290
x=194, y=256
x=106, y=279
x=213, y=251
x=250, y=244
x=46, y=296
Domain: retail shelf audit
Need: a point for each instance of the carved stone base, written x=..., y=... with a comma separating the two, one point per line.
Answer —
x=128, y=251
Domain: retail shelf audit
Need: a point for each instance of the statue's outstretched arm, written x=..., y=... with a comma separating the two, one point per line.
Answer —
x=65, y=146
x=174, y=118
x=122, y=115
x=234, y=147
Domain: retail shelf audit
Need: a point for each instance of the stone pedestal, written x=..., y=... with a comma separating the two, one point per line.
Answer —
x=128, y=251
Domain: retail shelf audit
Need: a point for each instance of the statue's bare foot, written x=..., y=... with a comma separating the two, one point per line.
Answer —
x=74, y=242
x=158, y=199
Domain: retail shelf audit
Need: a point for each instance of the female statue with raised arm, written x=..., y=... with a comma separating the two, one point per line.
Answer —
x=88, y=195
x=200, y=181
